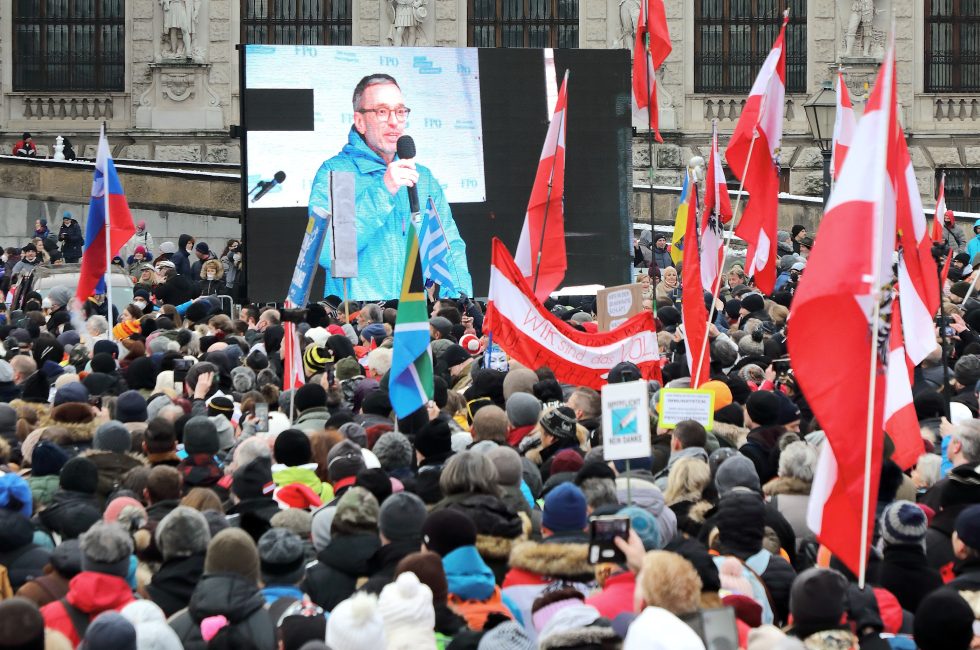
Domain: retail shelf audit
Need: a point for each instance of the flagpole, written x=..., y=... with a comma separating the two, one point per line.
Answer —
x=650, y=99
x=108, y=239
x=551, y=178
x=881, y=177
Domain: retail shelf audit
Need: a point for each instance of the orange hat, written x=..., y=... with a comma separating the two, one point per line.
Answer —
x=723, y=394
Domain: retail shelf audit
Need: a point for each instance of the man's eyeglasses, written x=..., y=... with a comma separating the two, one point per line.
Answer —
x=383, y=113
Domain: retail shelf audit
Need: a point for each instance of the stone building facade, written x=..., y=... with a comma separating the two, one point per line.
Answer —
x=178, y=104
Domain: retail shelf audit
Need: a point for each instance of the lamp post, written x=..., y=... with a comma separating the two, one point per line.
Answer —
x=821, y=113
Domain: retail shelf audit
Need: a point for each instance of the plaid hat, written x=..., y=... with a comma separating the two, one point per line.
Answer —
x=903, y=522
x=345, y=460
x=446, y=530
x=560, y=422
x=281, y=557
x=565, y=509
x=357, y=508
x=968, y=526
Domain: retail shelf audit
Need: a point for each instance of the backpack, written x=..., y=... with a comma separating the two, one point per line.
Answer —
x=79, y=619
x=744, y=577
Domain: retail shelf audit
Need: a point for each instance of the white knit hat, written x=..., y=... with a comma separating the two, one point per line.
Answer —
x=406, y=603
x=356, y=624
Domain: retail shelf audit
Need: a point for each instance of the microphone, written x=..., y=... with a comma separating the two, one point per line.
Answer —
x=266, y=186
x=406, y=150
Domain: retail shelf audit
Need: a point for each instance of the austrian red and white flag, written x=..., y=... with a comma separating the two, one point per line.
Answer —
x=901, y=422
x=717, y=211
x=861, y=209
x=541, y=248
x=647, y=59
x=535, y=337
x=693, y=311
x=940, y=214
x=292, y=357
x=757, y=165
x=843, y=127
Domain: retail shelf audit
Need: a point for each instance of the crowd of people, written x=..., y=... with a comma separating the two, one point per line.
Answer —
x=160, y=489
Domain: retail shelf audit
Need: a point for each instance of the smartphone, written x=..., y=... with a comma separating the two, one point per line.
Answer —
x=715, y=626
x=262, y=415
x=181, y=366
x=602, y=531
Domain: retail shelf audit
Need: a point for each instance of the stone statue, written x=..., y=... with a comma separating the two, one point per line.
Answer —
x=695, y=167
x=406, y=22
x=862, y=17
x=629, y=15
x=179, y=25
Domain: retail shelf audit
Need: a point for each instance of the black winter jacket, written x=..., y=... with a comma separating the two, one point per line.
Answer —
x=906, y=574
x=234, y=597
x=173, y=585
x=345, y=559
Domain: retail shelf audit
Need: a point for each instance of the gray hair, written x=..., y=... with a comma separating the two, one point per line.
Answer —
x=372, y=312
x=97, y=323
x=928, y=466
x=599, y=492
x=170, y=412
x=250, y=449
x=968, y=435
x=378, y=79
x=468, y=471
x=798, y=460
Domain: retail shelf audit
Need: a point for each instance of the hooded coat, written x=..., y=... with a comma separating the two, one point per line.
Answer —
x=112, y=466
x=473, y=592
x=92, y=593
x=173, y=584
x=181, y=258
x=334, y=576
x=498, y=527
x=24, y=559
x=232, y=596
x=215, y=285
x=70, y=513
x=905, y=573
x=70, y=236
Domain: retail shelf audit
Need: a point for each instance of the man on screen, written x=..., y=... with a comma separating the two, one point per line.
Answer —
x=381, y=196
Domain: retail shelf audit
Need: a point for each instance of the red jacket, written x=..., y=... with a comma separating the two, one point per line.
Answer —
x=92, y=593
x=616, y=596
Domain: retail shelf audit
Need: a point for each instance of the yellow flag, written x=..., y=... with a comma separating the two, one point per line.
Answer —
x=680, y=223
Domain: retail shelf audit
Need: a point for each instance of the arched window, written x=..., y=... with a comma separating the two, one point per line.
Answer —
x=69, y=45
x=952, y=46
x=296, y=22
x=522, y=23
x=733, y=37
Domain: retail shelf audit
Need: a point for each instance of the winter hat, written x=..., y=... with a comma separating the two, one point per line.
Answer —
x=551, y=601
x=232, y=551
x=281, y=557
x=741, y=521
x=401, y=517
x=565, y=509
x=566, y=460
x=79, y=475
x=354, y=432
x=357, y=508
x=406, y=603
x=152, y=631
x=316, y=359
x=434, y=439
x=507, y=636
x=127, y=512
x=71, y=392
x=310, y=396
x=753, y=302
x=723, y=394
x=47, y=459
x=446, y=530
x=318, y=336
x=156, y=404
x=292, y=448
x=348, y=368
x=112, y=436
x=106, y=549
x=15, y=494
x=60, y=295
x=298, y=496
x=645, y=525
x=21, y=624
x=968, y=526
x=221, y=405
x=356, y=624
x=519, y=380
x=394, y=451
x=523, y=409
x=967, y=370
x=182, y=533
x=201, y=436
x=375, y=481
x=442, y=325
x=66, y=558
x=623, y=372
x=943, y=621
x=903, y=522
x=737, y=471
x=657, y=629
x=226, y=432
x=560, y=423
x=817, y=598
x=131, y=407
x=253, y=480
x=571, y=621
x=763, y=407
x=508, y=464
x=109, y=630
x=344, y=460
x=294, y=520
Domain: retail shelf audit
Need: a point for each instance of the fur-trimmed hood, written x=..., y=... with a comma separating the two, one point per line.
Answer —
x=553, y=560
x=219, y=271
x=495, y=547
x=596, y=635
x=733, y=434
x=786, y=485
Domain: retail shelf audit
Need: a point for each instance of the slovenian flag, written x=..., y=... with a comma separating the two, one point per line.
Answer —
x=107, y=206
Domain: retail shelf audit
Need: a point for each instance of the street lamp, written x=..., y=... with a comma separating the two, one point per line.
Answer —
x=821, y=113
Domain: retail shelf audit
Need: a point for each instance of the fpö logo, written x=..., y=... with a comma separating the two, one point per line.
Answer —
x=432, y=123
x=425, y=65
x=468, y=183
x=388, y=61
x=346, y=56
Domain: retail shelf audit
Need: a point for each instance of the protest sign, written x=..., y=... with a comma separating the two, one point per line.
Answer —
x=625, y=421
x=679, y=404
x=615, y=305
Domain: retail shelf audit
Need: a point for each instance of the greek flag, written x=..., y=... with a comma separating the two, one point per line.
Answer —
x=434, y=248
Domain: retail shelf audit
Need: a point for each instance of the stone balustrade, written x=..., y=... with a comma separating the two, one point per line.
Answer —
x=54, y=107
x=956, y=108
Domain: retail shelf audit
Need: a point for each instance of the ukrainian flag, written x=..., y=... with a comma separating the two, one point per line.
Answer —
x=680, y=223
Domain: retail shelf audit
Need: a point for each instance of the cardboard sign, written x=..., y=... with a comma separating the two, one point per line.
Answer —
x=625, y=421
x=615, y=305
x=679, y=404
x=343, y=255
